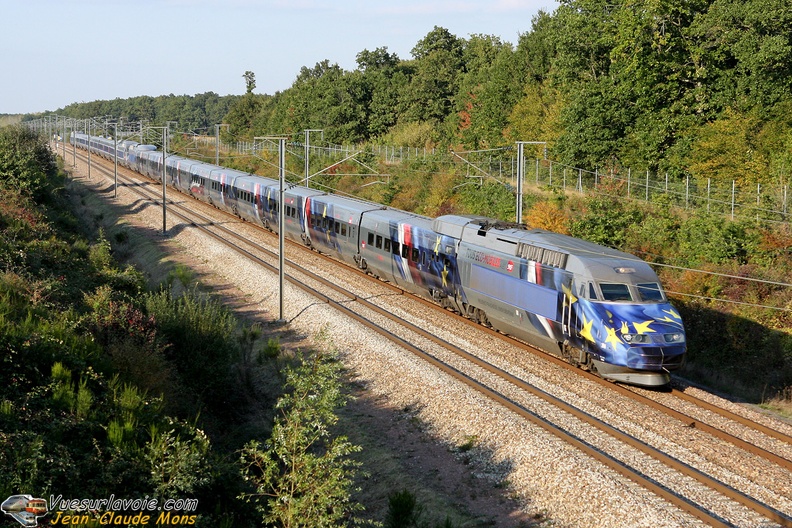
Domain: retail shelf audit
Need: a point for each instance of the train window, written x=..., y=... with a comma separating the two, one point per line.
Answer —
x=592, y=292
x=650, y=292
x=379, y=242
x=343, y=230
x=387, y=246
x=615, y=292
x=370, y=239
x=405, y=252
x=336, y=227
x=395, y=248
x=415, y=255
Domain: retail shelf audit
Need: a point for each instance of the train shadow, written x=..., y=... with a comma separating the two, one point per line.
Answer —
x=401, y=452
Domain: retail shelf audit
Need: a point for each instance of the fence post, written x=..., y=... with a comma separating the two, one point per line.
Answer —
x=647, y=185
x=732, y=203
x=580, y=180
x=709, y=181
x=629, y=182
x=687, y=190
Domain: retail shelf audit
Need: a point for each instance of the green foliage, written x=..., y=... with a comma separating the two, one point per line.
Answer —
x=26, y=163
x=302, y=475
x=198, y=112
x=77, y=371
x=243, y=113
x=488, y=199
x=404, y=511
x=200, y=332
x=726, y=150
x=713, y=239
x=606, y=221
x=178, y=460
x=438, y=64
x=412, y=134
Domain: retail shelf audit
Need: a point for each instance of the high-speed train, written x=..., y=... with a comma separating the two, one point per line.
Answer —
x=596, y=307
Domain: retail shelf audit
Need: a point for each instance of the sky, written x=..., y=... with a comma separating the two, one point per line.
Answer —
x=58, y=52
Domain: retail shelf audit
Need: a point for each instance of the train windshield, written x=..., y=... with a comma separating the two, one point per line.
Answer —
x=650, y=292
x=615, y=292
x=647, y=292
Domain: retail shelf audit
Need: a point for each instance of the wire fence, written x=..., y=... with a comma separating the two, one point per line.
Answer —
x=758, y=201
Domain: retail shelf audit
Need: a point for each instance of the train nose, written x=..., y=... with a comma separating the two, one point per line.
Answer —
x=655, y=357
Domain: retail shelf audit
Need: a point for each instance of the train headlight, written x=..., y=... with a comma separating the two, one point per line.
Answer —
x=677, y=337
x=637, y=338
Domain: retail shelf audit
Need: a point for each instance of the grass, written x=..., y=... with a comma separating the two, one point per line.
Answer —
x=780, y=404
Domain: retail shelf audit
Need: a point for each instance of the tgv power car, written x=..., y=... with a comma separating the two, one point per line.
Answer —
x=601, y=309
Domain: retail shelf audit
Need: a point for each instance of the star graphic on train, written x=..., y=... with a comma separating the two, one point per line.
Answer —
x=643, y=328
x=585, y=332
x=612, y=337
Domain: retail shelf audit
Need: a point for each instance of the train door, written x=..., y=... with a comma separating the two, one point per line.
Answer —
x=257, y=199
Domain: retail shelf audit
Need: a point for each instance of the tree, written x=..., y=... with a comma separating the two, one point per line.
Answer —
x=745, y=46
x=438, y=65
x=725, y=150
x=250, y=81
x=303, y=471
x=488, y=89
x=376, y=60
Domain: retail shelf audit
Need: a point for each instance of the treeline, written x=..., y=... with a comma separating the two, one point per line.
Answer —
x=198, y=113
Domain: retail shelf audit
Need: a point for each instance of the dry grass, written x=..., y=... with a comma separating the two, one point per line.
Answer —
x=781, y=403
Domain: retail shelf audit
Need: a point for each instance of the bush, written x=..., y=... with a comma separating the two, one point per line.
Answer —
x=200, y=333
x=606, y=221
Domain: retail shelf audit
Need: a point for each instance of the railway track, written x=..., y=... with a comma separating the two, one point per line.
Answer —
x=541, y=408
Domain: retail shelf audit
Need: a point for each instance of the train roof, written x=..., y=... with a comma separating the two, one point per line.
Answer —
x=249, y=181
x=387, y=214
x=543, y=246
x=347, y=203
